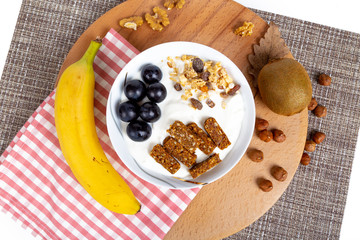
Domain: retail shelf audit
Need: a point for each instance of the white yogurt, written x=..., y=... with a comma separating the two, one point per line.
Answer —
x=174, y=108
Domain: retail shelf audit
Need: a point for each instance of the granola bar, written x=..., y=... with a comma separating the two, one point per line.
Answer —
x=179, y=152
x=206, y=145
x=205, y=166
x=216, y=133
x=165, y=159
x=183, y=135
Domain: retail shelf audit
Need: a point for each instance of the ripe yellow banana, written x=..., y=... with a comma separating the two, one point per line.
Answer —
x=75, y=126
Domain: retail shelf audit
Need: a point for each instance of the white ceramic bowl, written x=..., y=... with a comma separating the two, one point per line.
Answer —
x=162, y=51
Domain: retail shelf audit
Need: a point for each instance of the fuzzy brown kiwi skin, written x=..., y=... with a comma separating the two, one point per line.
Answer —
x=285, y=86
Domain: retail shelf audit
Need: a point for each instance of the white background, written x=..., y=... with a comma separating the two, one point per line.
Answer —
x=340, y=14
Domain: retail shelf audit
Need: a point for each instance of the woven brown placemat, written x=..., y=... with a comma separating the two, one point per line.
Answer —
x=313, y=205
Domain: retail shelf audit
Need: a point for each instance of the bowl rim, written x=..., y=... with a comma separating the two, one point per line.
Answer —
x=135, y=167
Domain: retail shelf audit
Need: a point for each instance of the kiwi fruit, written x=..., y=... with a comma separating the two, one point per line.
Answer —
x=285, y=86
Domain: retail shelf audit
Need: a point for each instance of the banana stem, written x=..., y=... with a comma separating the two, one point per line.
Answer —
x=98, y=39
x=92, y=50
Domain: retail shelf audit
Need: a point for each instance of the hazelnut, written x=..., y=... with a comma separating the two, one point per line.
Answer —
x=265, y=135
x=313, y=104
x=261, y=124
x=318, y=137
x=279, y=135
x=310, y=145
x=265, y=185
x=320, y=111
x=255, y=155
x=305, y=159
x=279, y=173
x=324, y=79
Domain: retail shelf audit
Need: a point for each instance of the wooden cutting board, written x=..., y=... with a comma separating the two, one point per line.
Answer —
x=234, y=201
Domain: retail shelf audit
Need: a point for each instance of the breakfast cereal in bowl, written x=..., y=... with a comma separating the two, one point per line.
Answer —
x=180, y=114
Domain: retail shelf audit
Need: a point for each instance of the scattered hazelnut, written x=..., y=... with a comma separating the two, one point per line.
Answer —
x=265, y=135
x=320, y=111
x=305, y=159
x=313, y=104
x=279, y=135
x=265, y=185
x=318, y=137
x=279, y=173
x=255, y=155
x=324, y=79
x=310, y=145
x=261, y=124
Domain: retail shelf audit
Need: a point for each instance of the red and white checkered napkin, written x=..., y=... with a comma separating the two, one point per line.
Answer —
x=38, y=188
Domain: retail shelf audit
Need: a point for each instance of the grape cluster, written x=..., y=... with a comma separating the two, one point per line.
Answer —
x=149, y=112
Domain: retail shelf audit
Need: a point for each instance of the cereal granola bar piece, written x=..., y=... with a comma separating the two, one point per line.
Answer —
x=131, y=22
x=165, y=159
x=183, y=135
x=205, y=166
x=206, y=145
x=179, y=152
x=216, y=133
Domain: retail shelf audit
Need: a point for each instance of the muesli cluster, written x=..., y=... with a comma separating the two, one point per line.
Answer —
x=196, y=78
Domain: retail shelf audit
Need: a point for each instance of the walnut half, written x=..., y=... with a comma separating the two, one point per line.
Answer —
x=159, y=20
x=245, y=30
x=131, y=22
x=170, y=4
